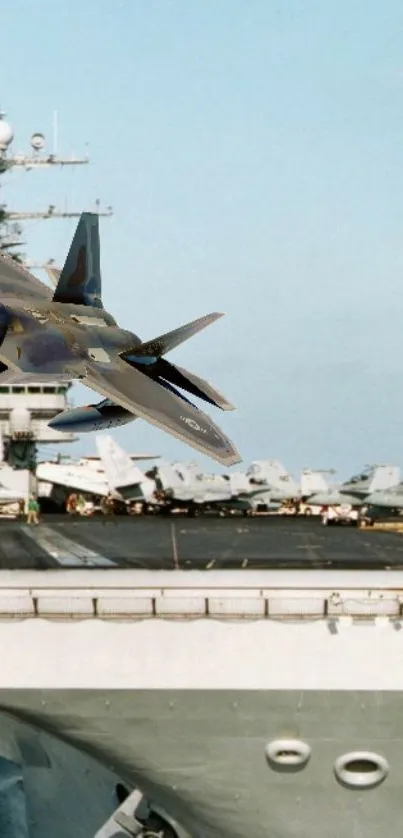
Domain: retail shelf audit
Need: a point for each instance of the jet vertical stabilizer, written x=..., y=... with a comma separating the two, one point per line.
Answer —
x=80, y=280
x=312, y=482
x=123, y=476
x=170, y=340
x=168, y=477
x=147, y=357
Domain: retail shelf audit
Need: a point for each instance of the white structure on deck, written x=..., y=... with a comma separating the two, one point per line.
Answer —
x=241, y=703
x=26, y=409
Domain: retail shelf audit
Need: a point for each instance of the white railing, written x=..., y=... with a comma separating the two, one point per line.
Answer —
x=189, y=604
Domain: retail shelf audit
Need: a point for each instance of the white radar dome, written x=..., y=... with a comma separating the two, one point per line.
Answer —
x=20, y=422
x=6, y=134
x=38, y=142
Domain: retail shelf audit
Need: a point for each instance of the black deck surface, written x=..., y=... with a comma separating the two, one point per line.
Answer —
x=201, y=543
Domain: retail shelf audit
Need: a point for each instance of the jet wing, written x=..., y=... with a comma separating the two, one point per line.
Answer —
x=163, y=408
x=74, y=478
x=16, y=281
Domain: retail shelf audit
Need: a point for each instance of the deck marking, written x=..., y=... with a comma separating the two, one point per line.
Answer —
x=174, y=546
x=65, y=551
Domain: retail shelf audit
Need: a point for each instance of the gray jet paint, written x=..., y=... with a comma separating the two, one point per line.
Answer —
x=67, y=334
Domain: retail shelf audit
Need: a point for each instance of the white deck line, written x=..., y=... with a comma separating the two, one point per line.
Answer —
x=66, y=552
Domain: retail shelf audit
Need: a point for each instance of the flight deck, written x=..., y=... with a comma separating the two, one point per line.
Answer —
x=205, y=543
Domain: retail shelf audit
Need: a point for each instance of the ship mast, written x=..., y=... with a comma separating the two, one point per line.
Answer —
x=37, y=158
x=25, y=410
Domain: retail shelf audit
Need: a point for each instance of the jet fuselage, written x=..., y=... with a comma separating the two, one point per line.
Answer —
x=59, y=338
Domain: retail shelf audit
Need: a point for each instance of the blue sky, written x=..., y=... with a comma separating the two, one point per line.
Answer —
x=253, y=154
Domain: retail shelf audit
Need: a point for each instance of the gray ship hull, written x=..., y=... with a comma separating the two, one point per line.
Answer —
x=185, y=705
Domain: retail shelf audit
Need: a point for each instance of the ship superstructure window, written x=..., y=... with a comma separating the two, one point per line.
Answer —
x=50, y=390
x=18, y=389
x=34, y=389
x=4, y=389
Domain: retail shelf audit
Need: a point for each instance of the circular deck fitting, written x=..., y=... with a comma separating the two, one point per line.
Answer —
x=287, y=754
x=361, y=770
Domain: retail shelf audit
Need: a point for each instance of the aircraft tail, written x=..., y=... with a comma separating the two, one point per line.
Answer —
x=167, y=477
x=165, y=343
x=312, y=483
x=80, y=280
x=122, y=474
x=147, y=358
x=384, y=477
x=273, y=474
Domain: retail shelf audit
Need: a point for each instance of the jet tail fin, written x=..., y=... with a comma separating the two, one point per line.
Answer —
x=384, y=477
x=192, y=383
x=165, y=343
x=122, y=475
x=80, y=280
x=147, y=358
x=312, y=483
x=168, y=477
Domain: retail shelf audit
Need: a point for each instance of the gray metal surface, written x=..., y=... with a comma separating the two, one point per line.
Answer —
x=201, y=754
x=202, y=543
x=48, y=788
x=72, y=335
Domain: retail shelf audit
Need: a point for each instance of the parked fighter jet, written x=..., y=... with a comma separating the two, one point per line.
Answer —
x=313, y=482
x=361, y=489
x=84, y=475
x=69, y=335
x=272, y=474
x=282, y=488
x=184, y=485
x=124, y=478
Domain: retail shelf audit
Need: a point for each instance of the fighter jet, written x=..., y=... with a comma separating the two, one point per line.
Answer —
x=366, y=488
x=67, y=334
x=183, y=485
x=272, y=474
x=85, y=475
